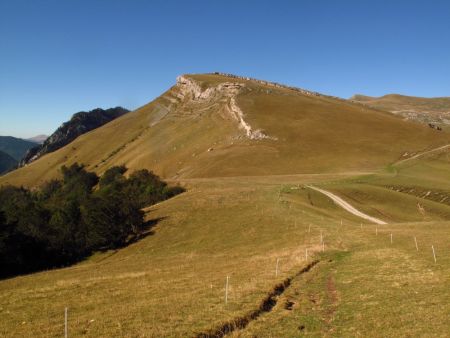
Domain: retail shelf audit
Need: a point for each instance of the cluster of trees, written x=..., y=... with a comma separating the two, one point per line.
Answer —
x=68, y=219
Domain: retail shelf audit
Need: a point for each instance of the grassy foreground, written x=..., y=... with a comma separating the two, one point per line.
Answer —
x=172, y=283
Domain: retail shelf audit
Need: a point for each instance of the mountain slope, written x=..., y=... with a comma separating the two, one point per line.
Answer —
x=428, y=110
x=213, y=125
x=15, y=147
x=260, y=234
x=38, y=138
x=6, y=162
x=80, y=123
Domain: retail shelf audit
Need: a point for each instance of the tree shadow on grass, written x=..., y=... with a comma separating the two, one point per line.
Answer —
x=146, y=230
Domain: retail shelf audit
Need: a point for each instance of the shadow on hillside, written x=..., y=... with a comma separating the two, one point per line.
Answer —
x=146, y=230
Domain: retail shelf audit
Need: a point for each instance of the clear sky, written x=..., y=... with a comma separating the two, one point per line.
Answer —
x=58, y=57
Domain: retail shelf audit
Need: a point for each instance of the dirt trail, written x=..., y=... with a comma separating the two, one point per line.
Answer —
x=266, y=305
x=347, y=206
x=422, y=154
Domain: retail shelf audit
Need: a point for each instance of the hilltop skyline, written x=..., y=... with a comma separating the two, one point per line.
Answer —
x=65, y=57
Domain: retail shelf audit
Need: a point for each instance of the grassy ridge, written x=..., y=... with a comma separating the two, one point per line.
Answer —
x=434, y=110
x=396, y=102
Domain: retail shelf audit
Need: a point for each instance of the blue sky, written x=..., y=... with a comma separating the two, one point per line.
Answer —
x=58, y=57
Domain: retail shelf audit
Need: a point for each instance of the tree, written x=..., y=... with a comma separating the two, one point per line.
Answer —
x=70, y=218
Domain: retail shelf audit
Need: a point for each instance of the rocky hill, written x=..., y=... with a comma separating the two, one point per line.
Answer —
x=79, y=124
x=216, y=125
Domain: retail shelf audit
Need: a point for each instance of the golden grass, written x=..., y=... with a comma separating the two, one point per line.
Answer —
x=172, y=283
x=239, y=215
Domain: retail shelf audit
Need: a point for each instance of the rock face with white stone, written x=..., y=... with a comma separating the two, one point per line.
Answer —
x=190, y=88
x=225, y=92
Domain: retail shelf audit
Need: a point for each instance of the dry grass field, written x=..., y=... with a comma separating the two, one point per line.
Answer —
x=246, y=208
x=172, y=283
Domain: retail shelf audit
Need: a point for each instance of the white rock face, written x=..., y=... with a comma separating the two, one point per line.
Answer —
x=239, y=115
x=190, y=89
x=187, y=86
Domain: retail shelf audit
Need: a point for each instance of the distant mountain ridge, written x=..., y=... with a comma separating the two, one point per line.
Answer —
x=7, y=162
x=80, y=123
x=15, y=147
x=38, y=138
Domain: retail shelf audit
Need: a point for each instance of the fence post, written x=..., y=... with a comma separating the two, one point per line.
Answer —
x=276, y=268
x=65, y=323
x=226, y=290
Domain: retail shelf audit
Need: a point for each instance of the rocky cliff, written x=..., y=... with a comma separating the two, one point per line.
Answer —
x=79, y=124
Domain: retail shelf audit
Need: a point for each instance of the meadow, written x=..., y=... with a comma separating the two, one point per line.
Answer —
x=172, y=283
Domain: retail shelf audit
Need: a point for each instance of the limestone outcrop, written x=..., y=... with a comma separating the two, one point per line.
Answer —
x=189, y=89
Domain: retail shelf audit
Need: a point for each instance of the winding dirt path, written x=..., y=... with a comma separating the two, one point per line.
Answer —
x=347, y=206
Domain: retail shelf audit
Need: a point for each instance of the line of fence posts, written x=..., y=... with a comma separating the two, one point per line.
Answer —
x=415, y=243
x=276, y=268
x=277, y=265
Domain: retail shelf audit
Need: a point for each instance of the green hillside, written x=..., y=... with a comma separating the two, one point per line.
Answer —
x=173, y=282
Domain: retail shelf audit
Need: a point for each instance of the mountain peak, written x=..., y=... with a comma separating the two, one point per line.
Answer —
x=219, y=124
